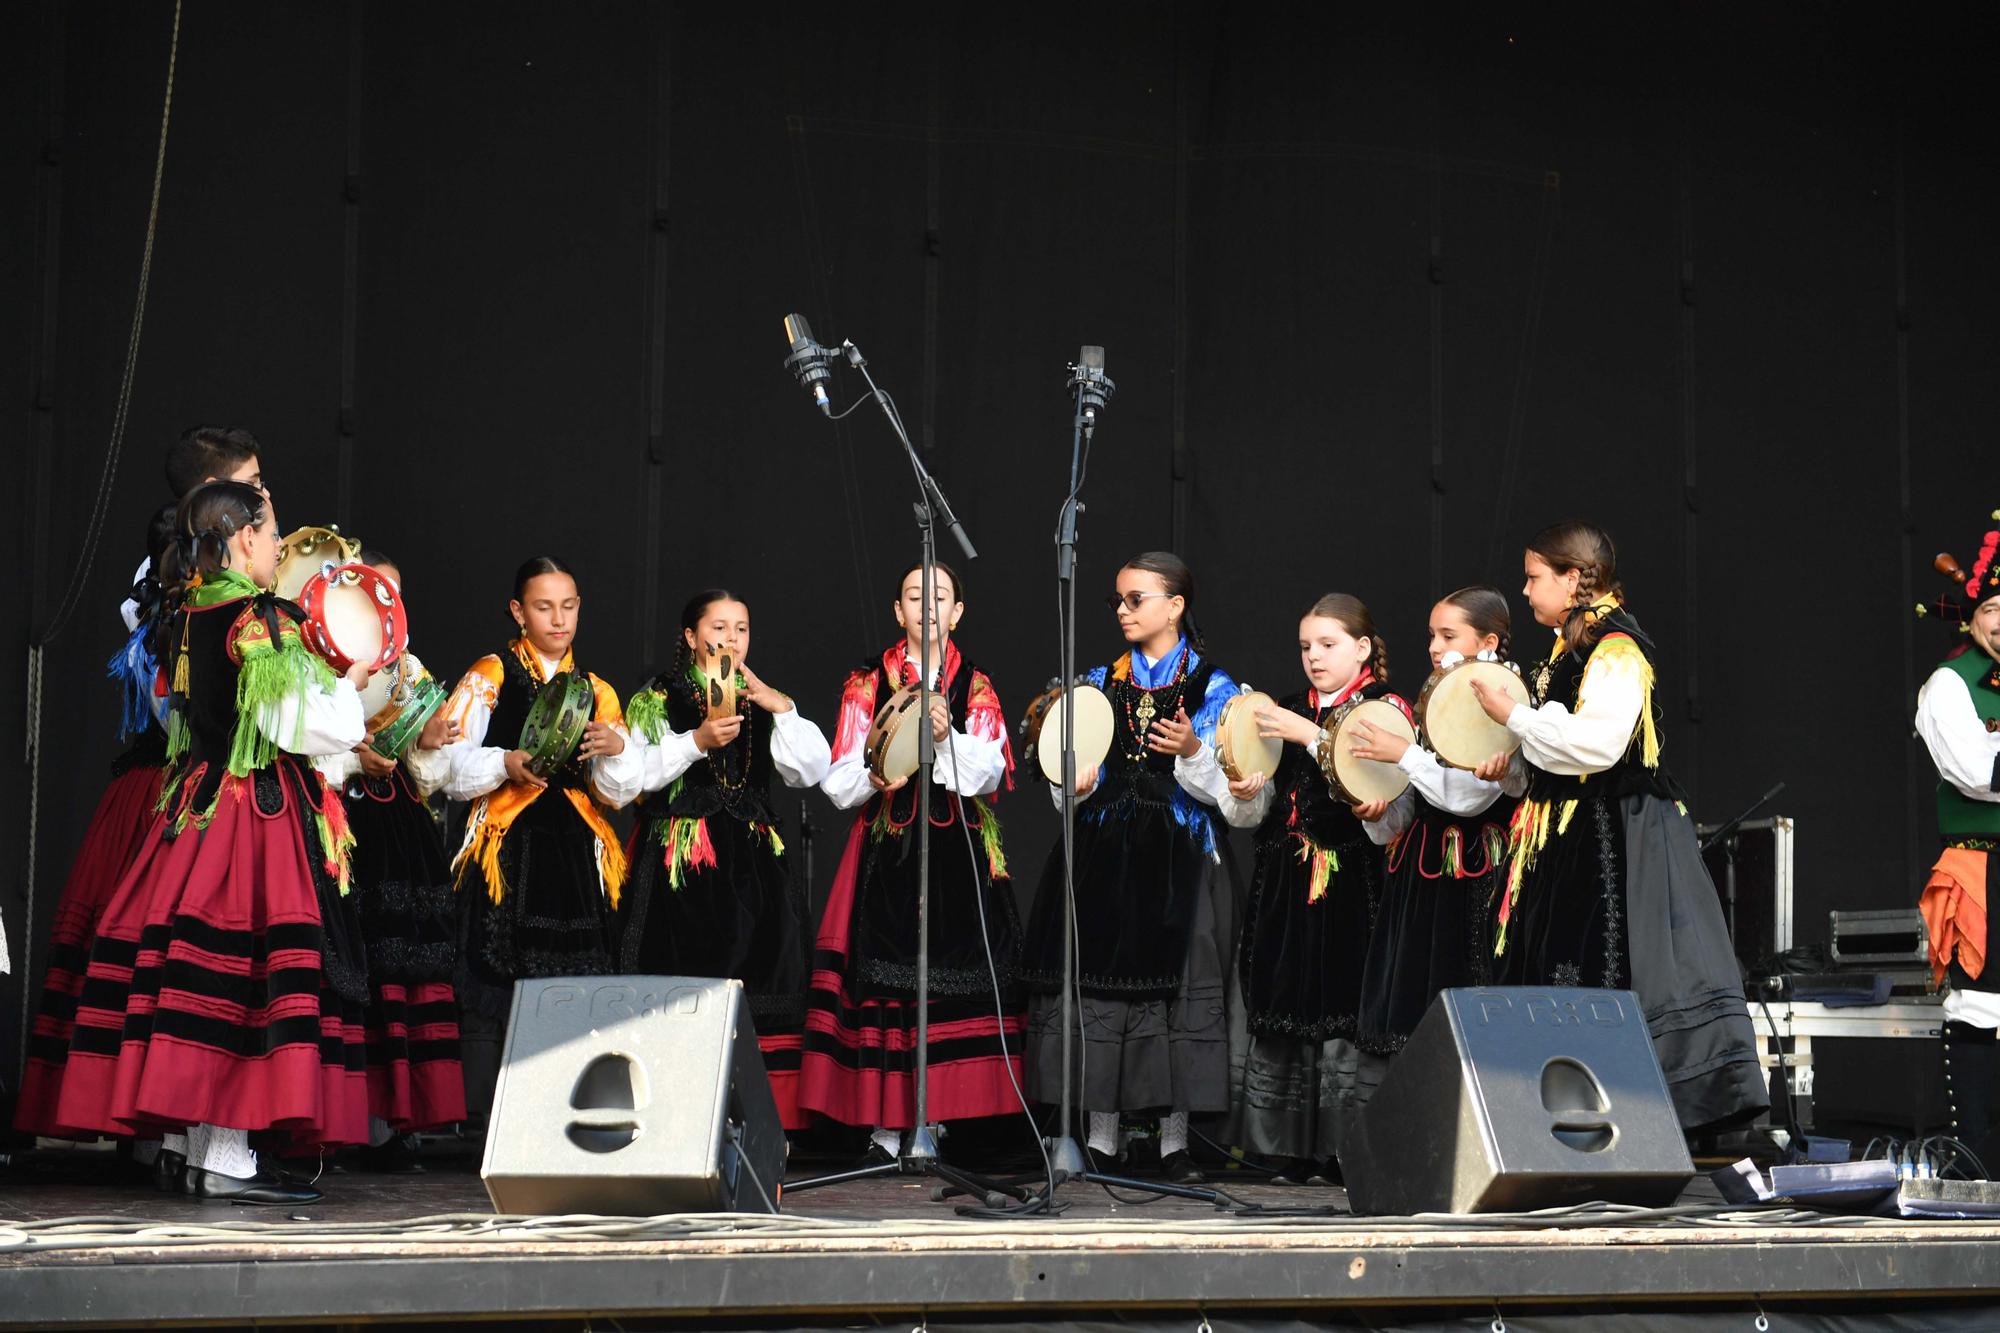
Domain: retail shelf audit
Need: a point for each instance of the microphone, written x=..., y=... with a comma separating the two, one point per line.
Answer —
x=1092, y=387
x=808, y=361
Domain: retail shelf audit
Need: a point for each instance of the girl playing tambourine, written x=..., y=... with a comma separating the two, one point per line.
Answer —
x=403, y=894
x=1154, y=1038
x=1446, y=851
x=540, y=871
x=1605, y=883
x=860, y=1058
x=711, y=892
x=1297, y=1079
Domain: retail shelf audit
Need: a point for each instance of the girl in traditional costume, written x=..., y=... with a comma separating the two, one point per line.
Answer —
x=224, y=987
x=1958, y=717
x=540, y=871
x=861, y=1014
x=125, y=814
x=1446, y=851
x=1153, y=1035
x=1605, y=883
x=711, y=892
x=1298, y=1078
x=403, y=894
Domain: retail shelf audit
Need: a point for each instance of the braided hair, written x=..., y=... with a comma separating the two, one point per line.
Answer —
x=1351, y=614
x=691, y=614
x=207, y=518
x=1586, y=548
x=1485, y=609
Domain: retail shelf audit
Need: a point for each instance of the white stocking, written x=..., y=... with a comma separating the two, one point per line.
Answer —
x=223, y=1151
x=1104, y=1133
x=1173, y=1133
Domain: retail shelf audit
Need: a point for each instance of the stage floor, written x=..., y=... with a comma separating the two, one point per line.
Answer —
x=882, y=1251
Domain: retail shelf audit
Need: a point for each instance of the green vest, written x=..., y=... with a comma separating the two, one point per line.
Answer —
x=1959, y=815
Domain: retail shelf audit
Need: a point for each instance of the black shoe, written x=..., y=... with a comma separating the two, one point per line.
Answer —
x=397, y=1157
x=264, y=1187
x=170, y=1173
x=876, y=1155
x=1292, y=1171
x=1179, y=1169
x=1326, y=1174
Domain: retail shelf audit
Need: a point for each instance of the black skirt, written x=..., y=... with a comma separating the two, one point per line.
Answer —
x=1620, y=899
x=402, y=882
x=552, y=920
x=1301, y=960
x=741, y=917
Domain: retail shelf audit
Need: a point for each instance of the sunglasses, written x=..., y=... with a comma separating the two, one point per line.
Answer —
x=1131, y=601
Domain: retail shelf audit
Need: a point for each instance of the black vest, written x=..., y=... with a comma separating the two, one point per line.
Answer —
x=208, y=707
x=1562, y=681
x=1324, y=818
x=735, y=779
x=1134, y=771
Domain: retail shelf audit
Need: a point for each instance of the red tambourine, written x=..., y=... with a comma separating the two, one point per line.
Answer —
x=353, y=614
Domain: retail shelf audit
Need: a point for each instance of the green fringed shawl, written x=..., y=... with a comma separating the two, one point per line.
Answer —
x=271, y=673
x=646, y=714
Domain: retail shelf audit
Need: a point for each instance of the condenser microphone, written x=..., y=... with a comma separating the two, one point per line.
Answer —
x=1090, y=385
x=808, y=361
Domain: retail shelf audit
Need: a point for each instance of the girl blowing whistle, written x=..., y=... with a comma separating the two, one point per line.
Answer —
x=711, y=892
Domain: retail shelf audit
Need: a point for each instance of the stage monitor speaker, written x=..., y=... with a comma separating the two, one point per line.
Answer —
x=631, y=1096
x=1512, y=1098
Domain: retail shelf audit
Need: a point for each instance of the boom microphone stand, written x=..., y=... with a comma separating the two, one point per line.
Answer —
x=919, y=1153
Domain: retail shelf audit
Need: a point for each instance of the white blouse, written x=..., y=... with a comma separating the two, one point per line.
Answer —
x=1455, y=791
x=1598, y=734
x=798, y=751
x=477, y=768
x=966, y=764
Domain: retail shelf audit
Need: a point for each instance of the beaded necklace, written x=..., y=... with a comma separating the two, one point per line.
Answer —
x=1140, y=712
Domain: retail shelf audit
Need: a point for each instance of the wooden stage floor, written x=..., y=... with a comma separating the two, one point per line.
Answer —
x=882, y=1251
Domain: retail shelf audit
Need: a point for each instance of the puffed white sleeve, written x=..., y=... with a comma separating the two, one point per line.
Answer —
x=1200, y=775
x=846, y=782
x=619, y=778
x=970, y=765
x=799, y=750
x=1452, y=790
x=128, y=610
x=1600, y=731
x=338, y=768
x=1967, y=755
x=428, y=769
x=315, y=722
x=1241, y=814
x=475, y=767
x=667, y=758
x=1402, y=813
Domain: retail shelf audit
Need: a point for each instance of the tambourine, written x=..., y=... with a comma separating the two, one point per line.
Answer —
x=309, y=551
x=398, y=702
x=894, y=736
x=353, y=614
x=720, y=670
x=1030, y=730
x=1094, y=726
x=1239, y=747
x=1454, y=726
x=556, y=721
x=1358, y=781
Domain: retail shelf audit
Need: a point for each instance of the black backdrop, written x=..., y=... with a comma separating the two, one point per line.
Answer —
x=1383, y=293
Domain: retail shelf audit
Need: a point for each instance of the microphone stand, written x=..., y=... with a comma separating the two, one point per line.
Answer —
x=919, y=1152
x=1726, y=835
x=1064, y=1153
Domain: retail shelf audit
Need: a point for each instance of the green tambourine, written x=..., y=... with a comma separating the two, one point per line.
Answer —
x=556, y=721
x=417, y=701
